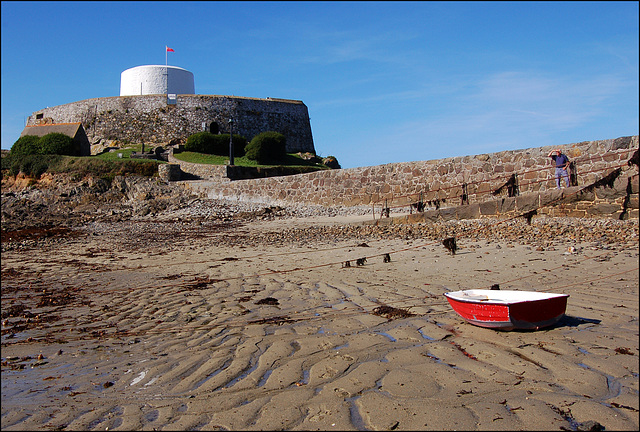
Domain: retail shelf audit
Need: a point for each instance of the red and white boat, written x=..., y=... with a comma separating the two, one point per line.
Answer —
x=508, y=310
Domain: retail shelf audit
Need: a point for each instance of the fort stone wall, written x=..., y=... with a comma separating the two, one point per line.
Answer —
x=151, y=120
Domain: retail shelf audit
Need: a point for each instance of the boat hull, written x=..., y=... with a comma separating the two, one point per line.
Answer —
x=508, y=310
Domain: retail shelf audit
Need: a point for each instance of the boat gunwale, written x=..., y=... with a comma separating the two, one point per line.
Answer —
x=500, y=302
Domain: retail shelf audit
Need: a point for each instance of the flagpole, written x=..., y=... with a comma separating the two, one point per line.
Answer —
x=166, y=63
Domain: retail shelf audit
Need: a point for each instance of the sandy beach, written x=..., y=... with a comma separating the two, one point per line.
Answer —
x=180, y=324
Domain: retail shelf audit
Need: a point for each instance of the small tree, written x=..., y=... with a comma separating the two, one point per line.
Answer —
x=26, y=145
x=267, y=147
x=57, y=144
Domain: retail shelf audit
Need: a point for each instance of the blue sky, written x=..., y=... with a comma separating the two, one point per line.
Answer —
x=383, y=81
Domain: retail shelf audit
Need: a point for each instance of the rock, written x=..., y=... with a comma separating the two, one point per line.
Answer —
x=47, y=211
x=590, y=426
x=331, y=162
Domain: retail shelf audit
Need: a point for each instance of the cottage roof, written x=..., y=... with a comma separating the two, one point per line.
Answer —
x=69, y=129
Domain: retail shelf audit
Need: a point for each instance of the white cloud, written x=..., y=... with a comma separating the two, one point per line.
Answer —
x=519, y=101
x=505, y=111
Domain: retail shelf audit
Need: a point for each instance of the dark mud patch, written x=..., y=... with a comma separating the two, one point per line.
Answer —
x=391, y=312
x=36, y=233
x=278, y=320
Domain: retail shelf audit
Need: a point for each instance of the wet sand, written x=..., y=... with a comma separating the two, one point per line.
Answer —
x=183, y=328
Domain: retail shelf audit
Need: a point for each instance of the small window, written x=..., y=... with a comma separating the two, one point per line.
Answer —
x=39, y=116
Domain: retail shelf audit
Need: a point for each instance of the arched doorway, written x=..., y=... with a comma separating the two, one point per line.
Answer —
x=214, y=128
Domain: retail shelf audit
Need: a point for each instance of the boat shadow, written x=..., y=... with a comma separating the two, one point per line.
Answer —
x=574, y=321
x=565, y=321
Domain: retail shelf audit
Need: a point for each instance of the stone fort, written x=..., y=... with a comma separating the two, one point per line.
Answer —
x=158, y=106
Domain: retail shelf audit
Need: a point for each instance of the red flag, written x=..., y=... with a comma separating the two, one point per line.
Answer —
x=169, y=49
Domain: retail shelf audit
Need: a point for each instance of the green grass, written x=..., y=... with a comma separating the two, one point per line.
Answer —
x=201, y=158
x=105, y=168
x=109, y=164
x=292, y=160
x=126, y=153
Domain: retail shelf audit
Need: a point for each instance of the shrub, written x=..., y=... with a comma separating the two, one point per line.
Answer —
x=58, y=144
x=36, y=165
x=15, y=168
x=331, y=162
x=267, y=147
x=26, y=145
x=200, y=142
x=29, y=165
x=208, y=143
x=239, y=145
x=220, y=145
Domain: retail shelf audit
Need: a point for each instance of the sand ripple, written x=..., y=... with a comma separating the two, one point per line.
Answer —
x=212, y=337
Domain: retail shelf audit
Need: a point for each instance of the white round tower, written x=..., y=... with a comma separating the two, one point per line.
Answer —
x=156, y=79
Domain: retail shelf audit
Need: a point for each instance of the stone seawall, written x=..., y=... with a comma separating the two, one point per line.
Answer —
x=151, y=120
x=619, y=201
x=442, y=183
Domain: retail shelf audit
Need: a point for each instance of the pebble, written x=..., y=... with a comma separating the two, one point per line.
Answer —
x=180, y=215
x=544, y=233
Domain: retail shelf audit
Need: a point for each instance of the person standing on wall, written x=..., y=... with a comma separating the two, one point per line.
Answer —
x=562, y=166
